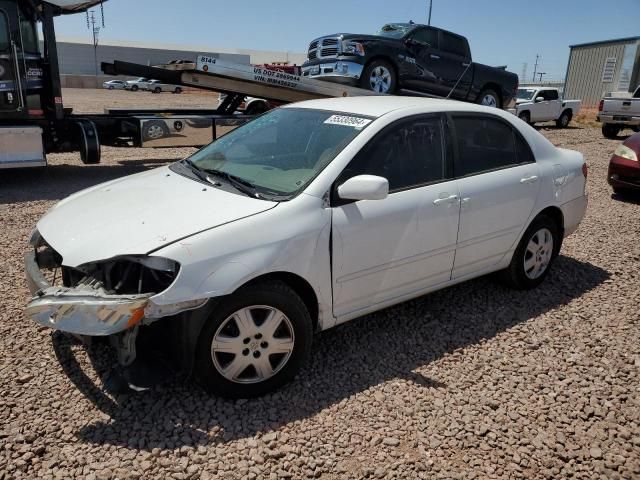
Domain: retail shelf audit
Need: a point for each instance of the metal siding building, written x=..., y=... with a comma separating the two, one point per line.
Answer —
x=600, y=67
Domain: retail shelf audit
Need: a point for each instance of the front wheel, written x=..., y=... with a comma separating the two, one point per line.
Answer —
x=379, y=76
x=534, y=255
x=178, y=90
x=489, y=98
x=525, y=117
x=254, y=342
x=134, y=88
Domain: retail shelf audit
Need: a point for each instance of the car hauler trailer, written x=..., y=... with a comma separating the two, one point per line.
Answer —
x=34, y=122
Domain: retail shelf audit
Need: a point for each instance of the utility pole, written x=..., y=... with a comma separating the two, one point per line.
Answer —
x=535, y=67
x=95, y=30
x=430, y=7
x=541, y=73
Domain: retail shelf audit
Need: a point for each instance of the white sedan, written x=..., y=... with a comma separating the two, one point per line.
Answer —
x=306, y=217
x=114, y=85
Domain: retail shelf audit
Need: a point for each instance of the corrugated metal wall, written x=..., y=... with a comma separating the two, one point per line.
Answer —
x=584, y=75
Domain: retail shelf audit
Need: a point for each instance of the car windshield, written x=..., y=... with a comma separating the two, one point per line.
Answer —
x=526, y=93
x=282, y=151
x=395, y=30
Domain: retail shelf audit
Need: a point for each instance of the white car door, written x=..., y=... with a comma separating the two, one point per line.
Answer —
x=498, y=183
x=387, y=250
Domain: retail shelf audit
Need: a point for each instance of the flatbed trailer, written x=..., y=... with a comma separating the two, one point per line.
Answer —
x=34, y=122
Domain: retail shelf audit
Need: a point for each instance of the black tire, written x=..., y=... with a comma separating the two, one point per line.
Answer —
x=273, y=294
x=610, y=131
x=525, y=117
x=110, y=87
x=178, y=90
x=488, y=92
x=564, y=119
x=134, y=88
x=257, y=108
x=365, y=79
x=514, y=275
x=636, y=129
x=157, y=90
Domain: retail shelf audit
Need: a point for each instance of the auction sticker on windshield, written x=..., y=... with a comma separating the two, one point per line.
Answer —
x=348, y=121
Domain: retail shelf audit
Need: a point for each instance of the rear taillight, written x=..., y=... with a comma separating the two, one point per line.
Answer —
x=601, y=105
x=585, y=170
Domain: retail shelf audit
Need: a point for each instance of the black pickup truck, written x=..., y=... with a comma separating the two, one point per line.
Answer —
x=408, y=56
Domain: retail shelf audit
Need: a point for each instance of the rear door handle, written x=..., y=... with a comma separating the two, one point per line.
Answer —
x=531, y=179
x=436, y=57
x=449, y=199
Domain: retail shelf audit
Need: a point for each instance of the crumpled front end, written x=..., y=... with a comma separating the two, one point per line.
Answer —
x=96, y=299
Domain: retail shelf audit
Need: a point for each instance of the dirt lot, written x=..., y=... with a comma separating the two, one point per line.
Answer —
x=475, y=381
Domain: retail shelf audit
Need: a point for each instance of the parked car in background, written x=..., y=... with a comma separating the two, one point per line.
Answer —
x=114, y=85
x=156, y=86
x=618, y=111
x=543, y=104
x=137, y=84
x=624, y=166
x=306, y=217
x=408, y=56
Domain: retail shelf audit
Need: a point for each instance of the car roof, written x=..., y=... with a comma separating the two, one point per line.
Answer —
x=379, y=105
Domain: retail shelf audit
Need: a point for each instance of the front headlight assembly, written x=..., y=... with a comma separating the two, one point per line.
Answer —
x=625, y=152
x=352, y=48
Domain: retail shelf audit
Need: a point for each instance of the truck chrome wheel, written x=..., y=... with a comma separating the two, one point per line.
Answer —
x=154, y=132
x=252, y=344
x=489, y=101
x=380, y=79
x=538, y=253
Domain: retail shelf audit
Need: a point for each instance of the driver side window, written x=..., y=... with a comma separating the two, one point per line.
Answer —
x=426, y=37
x=408, y=154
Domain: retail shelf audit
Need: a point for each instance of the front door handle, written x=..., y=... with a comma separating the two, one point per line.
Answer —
x=531, y=179
x=449, y=199
x=435, y=57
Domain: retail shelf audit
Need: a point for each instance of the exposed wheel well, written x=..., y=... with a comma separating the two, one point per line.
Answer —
x=569, y=111
x=556, y=215
x=301, y=287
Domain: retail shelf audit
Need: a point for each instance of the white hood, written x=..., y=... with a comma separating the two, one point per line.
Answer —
x=138, y=214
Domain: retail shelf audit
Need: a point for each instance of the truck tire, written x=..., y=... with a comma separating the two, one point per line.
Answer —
x=564, y=119
x=88, y=142
x=134, y=88
x=379, y=76
x=155, y=129
x=157, y=90
x=254, y=341
x=525, y=117
x=489, y=98
x=178, y=90
x=256, y=108
x=610, y=131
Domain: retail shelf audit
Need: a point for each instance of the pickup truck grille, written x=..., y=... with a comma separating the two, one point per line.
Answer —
x=326, y=47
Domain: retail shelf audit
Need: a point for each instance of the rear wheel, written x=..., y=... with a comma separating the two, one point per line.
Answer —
x=157, y=90
x=610, y=131
x=134, y=88
x=489, y=98
x=379, y=76
x=254, y=342
x=178, y=90
x=565, y=118
x=534, y=255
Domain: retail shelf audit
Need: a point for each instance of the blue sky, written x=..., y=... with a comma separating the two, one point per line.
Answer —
x=500, y=32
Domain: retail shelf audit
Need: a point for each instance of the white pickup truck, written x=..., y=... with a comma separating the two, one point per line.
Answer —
x=618, y=111
x=543, y=104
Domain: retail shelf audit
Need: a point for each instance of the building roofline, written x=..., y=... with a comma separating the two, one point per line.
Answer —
x=601, y=42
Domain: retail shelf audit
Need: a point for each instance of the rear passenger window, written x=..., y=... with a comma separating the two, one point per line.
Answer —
x=426, y=36
x=486, y=144
x=550, y=94
x=453, y=44
x=408, y=154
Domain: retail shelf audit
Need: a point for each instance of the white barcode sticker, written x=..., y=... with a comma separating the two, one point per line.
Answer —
x=348, y=121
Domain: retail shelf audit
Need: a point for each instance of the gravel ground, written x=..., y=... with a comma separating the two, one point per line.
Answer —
x=475, y=381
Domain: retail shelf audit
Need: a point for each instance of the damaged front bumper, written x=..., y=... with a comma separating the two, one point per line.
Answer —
x=86, y=309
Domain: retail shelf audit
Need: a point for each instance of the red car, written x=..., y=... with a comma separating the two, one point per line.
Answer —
x=624, y=167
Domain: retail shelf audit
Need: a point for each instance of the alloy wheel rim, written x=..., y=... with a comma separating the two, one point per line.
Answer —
x=380, y=79
x=252, y=344
x=154, y=131
x=538, y=253
x=489, y=101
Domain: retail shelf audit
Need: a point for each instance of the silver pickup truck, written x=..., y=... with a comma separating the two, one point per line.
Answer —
x=617, y=112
